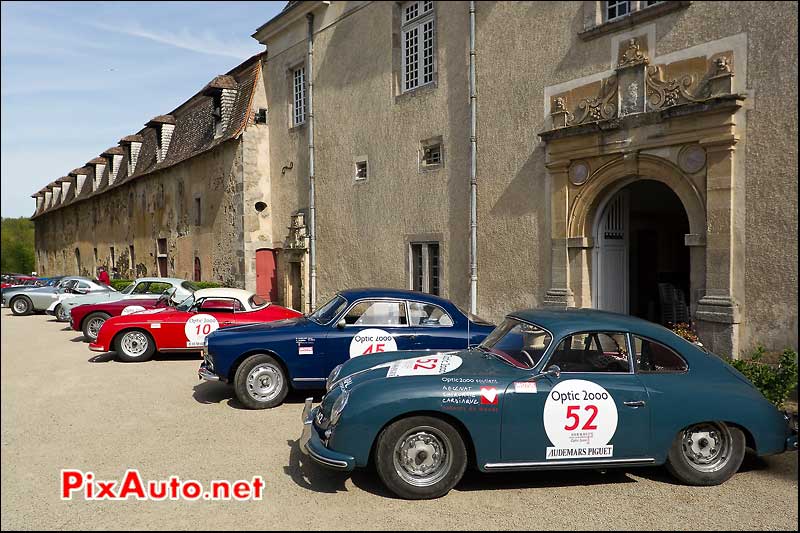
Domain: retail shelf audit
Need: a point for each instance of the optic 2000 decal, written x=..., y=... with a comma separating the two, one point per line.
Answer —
x=580, y=417
x=372, y=340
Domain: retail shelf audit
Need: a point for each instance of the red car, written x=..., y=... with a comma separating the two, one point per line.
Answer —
x=137, y=336
x=89, y=318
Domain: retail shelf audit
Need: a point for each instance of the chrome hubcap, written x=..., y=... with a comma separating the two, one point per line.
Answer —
x=134, y=344
x=94, y=328
x=707, y=446
x=422, y=456
x=20, y=306
x=264, y=382
x=62, y=313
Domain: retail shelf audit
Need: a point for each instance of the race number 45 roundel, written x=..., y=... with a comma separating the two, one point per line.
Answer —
x=197, y=328
x=580, y=418
x=368, y=341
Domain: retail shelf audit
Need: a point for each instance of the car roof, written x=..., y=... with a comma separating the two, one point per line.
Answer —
x=403, y=294
x=564, y=321
x=223, y=292
x=175, y=281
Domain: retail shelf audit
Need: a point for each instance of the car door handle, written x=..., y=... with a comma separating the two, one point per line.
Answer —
x=227, y=323
x=637, y=403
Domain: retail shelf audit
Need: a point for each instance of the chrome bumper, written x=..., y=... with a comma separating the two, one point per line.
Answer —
x=96, y=348
x=311, y=445
x=204, y=373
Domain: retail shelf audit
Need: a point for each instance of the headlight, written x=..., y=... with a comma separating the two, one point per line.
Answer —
x=338, y=407
x=331, y=377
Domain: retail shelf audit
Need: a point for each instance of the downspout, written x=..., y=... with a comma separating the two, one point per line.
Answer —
x=312, y=210
x=473, y=169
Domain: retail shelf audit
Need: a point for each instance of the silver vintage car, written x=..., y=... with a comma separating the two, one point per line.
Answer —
x=24, y=301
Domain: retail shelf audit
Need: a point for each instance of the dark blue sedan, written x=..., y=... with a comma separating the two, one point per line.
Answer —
x=263, y=361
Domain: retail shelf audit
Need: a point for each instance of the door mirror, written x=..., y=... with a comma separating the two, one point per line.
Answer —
x=341, y=324
x=553, y=372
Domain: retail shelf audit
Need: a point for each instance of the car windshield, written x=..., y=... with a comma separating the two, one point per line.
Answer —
x=186, y=304
x=128, y=289
x=475, y=319
x=189, y=286
x=517, y=343
x=328, y=312
x=257, y=302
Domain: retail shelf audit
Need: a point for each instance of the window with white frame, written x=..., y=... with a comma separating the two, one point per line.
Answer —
x=616, y=9
x=425, y=270
x=299, y=96
x=417, y=34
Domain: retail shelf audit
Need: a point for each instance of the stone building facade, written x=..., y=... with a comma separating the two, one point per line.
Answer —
x=636, y=156
x=175, y=199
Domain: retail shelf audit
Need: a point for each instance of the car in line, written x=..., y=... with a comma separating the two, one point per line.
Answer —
x=89, y=318
x=183, y=328
x=263, y=361
x=548, y=389
x=152, y=287
x=27, y=300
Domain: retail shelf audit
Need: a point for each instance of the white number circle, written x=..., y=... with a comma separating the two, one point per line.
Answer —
x=198, y=327
x=369, y=341
x=579, y=414
x=132, y=309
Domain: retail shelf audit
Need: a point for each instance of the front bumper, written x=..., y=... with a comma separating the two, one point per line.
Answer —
x=97, y=347
x=311, y=445
x=204, y=373
x=791, y=440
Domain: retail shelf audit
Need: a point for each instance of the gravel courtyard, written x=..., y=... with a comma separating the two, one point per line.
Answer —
x=66, y=407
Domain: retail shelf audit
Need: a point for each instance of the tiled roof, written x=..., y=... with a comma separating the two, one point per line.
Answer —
x=97, y=161
x=194, y=131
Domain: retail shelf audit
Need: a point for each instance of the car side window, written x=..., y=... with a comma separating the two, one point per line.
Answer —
x=654, y=358
x=158, y=288
x=592, y=351
x=141, y=288
x=84, y=285
x=422, y=314
x=376, y=313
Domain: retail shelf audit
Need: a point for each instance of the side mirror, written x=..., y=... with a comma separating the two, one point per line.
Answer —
x=553, y=372
x=341, y=324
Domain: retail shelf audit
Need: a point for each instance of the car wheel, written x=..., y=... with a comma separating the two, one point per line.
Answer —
x=708, y=453
x=21, y=306
x=62, y=315
x=92, y=325
x=260, y=382
x=135, y=345
x=420, y=457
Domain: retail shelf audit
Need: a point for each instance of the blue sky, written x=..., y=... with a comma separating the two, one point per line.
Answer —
x=78, y=76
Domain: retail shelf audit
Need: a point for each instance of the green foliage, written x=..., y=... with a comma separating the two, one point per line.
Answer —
x=775, y=382
x=120, y=284
x=17, y=247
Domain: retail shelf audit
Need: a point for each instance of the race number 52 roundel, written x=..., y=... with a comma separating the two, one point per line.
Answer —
x=368, y=341
x=580, y=418
x=197, y=328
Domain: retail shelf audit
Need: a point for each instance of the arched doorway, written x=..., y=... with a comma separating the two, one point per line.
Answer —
x=642, y=265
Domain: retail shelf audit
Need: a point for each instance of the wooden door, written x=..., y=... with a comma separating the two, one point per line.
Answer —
x=266, y=274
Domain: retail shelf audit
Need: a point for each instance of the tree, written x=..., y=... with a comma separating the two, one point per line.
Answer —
x=17, y=245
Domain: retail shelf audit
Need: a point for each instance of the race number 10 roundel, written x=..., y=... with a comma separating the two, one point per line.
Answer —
x=197, y=328
x=580, y=418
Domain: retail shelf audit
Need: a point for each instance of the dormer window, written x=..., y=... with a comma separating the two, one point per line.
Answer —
x=216, y=113
x=222, y=91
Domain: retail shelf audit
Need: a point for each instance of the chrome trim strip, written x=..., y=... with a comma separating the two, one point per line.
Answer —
x=549, y=464
x=205, y=374
x=309, y=379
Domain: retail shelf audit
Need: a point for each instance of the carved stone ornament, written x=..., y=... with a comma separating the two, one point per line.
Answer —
x=632, y=55
x=600, y=107
x=663, y=93
x=297, y=233
x=722, y=65
x=579, y=172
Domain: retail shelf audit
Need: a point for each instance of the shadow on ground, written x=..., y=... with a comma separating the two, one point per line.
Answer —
x=209, y=392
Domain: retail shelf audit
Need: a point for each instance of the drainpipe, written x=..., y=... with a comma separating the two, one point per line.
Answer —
x=312, y=210
x=473, y=170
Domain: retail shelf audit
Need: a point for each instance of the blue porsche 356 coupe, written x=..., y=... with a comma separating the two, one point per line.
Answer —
x=263, y=360
x=547, y=389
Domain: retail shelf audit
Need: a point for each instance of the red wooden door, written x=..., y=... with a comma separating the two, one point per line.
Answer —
x=266, y=275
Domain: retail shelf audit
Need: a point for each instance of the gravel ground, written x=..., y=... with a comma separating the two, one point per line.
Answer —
x=66, y=407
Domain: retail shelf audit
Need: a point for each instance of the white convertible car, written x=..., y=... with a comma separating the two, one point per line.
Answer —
x=140, y=288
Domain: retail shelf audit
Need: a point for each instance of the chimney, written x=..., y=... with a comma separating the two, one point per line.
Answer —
x=133, y=144
x=113, y=157
x=222, y=90
x=81, y=188
x=99, y=164
x=164, y=126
